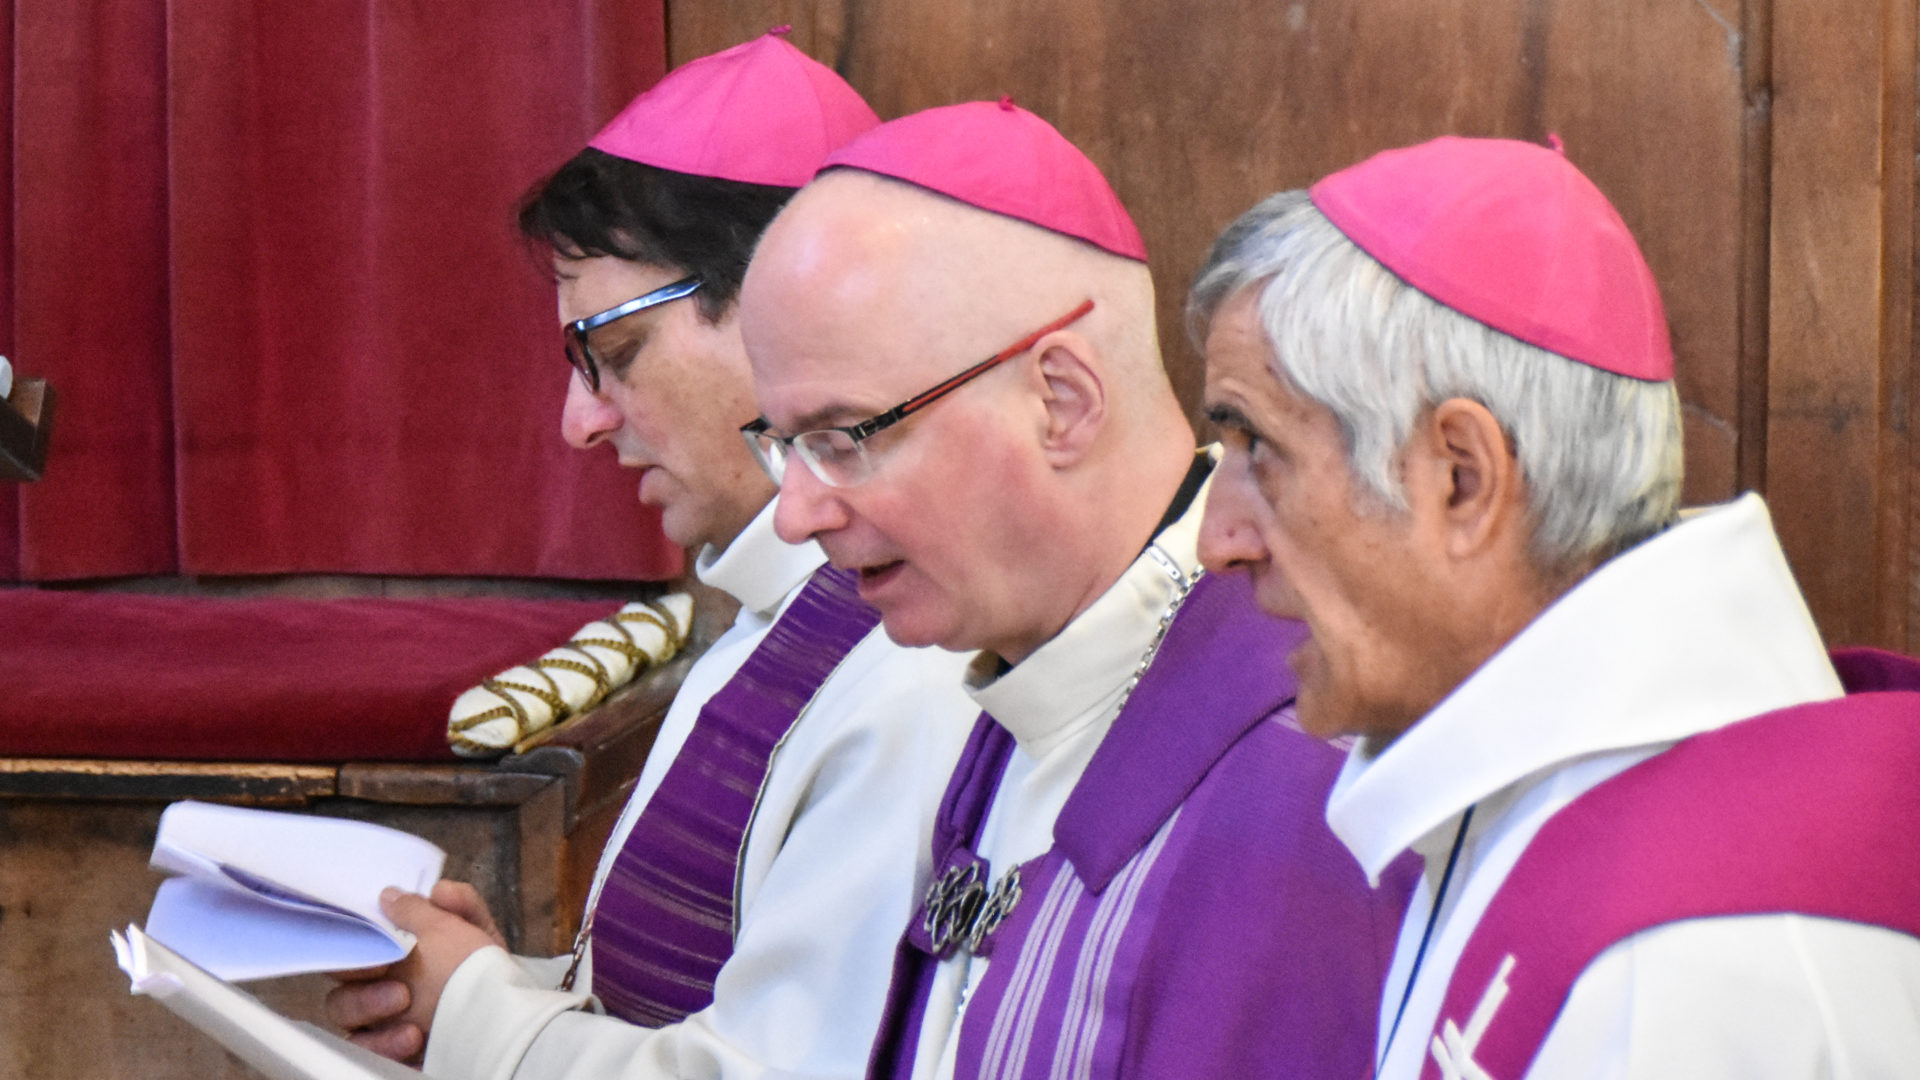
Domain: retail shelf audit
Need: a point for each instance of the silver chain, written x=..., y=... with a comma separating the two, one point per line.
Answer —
x=961, y=910
x=1183, y=584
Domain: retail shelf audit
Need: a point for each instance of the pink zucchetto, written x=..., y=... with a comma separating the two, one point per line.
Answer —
x=761, y=113
x=1001, y=158
x=1511, y=234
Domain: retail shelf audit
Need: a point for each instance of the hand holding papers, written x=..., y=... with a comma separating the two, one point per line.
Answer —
x=393, y=1011
x=264, y=894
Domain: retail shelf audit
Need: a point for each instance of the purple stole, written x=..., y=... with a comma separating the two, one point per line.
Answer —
x=667, y=913
x=1812, y=809
x=956, y=828
x=1108, y=952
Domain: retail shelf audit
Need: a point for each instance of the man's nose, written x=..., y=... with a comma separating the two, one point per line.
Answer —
x=806, y=507
x=1229, y=536
x=587, y=417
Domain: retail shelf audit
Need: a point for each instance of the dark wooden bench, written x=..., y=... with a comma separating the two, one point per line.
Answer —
x=75, y=834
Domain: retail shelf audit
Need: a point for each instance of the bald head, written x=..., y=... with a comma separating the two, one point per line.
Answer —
x=1035, y=485
x=953, y=274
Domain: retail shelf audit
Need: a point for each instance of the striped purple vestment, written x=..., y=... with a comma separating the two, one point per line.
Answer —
x=1195, y=917
x=667, y=914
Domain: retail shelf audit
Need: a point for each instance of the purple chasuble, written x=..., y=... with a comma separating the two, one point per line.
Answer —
x=1812, y=810
x=668, y=911
x=1195, y=917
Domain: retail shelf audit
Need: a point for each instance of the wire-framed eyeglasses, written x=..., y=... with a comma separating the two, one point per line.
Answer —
x=838, y=455
x=580, y=353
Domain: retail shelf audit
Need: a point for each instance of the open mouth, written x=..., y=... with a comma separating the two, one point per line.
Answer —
x=878, y=575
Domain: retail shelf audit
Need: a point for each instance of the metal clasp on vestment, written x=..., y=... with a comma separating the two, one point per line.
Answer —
x=961, y=911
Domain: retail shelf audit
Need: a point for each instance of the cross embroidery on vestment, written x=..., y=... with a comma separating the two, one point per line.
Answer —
x=1453, y=1049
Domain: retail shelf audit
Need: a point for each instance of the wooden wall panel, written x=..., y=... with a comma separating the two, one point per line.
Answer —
x=1902, y=113
x=1899, y=197
x=1821, y=392
x=1761, y=150
x=1649, y=96
x=1197, y=111
x=1835, y=416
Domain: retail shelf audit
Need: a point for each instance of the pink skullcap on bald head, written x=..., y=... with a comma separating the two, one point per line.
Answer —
x=1511, y=234
x=761, y=113
x=1002, y=158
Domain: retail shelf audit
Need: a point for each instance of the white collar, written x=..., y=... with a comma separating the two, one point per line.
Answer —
x=1079, y=673
x=1692, y=630
x=759, y=569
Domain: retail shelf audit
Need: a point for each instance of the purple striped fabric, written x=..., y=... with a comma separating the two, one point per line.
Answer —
x=1051, y=1015
x=1196, y=917
x=668, y=912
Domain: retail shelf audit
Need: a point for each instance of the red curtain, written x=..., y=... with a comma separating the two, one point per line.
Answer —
x=264, y=254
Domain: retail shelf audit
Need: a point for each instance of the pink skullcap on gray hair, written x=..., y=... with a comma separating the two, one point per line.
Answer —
x=1511, y=234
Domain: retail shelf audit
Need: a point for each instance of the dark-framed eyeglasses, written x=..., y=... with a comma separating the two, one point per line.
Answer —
x=838, y=455
x=580, y=354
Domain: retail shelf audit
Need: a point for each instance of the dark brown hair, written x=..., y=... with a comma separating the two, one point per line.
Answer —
x=600, y=204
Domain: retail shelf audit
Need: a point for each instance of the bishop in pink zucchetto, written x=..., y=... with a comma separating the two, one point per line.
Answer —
x=762, y=112
x=954, y=353
x=742, y=917
x=1513, y=235
x=1662, y=827
x=1001, y=158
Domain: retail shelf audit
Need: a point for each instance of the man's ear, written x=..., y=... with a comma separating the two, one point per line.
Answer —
x=1073, y=397
x=1471, y=477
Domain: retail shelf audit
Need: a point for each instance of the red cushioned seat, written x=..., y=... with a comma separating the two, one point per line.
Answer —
x=111, y=675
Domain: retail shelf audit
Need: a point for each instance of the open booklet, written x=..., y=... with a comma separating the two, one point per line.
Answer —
x=261, y=894
x=279, y=1048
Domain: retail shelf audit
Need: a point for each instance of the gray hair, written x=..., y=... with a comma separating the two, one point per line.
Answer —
x=1600, y=453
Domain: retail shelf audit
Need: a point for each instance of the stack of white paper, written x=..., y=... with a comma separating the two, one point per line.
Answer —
x=264, y=894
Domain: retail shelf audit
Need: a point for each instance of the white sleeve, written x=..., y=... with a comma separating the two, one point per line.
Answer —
x=490, y=1011
x=835, y=861
x=1743, y=998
